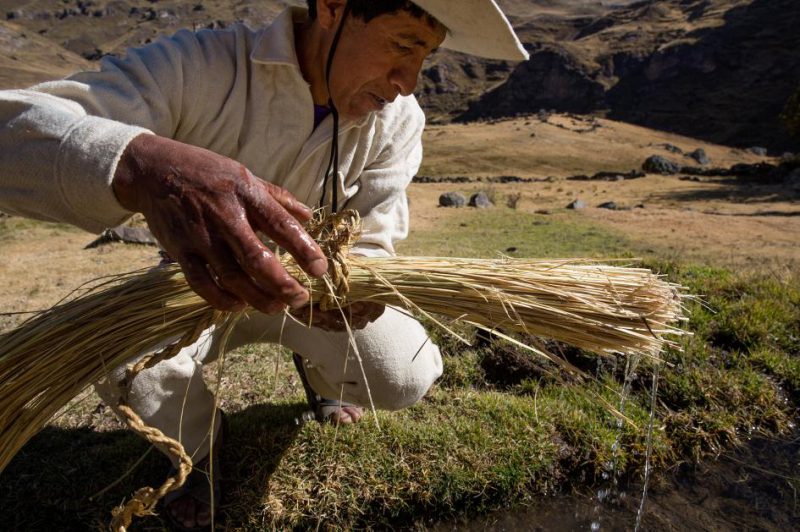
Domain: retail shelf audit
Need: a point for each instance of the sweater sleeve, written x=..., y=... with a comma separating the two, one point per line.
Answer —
x=381, y=199
x=61, y=141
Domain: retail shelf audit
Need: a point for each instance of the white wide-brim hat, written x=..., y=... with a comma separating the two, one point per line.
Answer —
x=476, y=27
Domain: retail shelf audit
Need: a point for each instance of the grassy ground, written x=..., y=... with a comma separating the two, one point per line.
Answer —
x=498, y=428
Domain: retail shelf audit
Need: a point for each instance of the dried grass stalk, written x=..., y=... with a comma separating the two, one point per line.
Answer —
x=51, y=358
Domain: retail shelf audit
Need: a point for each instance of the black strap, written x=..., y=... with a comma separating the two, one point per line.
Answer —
x=333, y=162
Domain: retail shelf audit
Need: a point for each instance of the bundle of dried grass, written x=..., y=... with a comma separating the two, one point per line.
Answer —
x=49, y=359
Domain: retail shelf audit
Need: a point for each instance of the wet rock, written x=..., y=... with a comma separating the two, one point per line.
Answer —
x=480, y=200
x=610, y=205
x=452, y=199
x=577, y=204
x=122, y=233
x=655, y=164
x=700, y=156
x=758, y=150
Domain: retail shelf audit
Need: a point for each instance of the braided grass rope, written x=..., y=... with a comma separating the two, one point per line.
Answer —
x=52, y=357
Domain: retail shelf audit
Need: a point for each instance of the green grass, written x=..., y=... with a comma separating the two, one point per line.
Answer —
x=485, y=233
x=499, y=427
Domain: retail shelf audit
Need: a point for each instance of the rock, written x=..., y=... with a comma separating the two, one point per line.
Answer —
x=655, y=164
x=758, y=150
x=700, y=156
x=122, y=233
x=512, y=249
x=452, y=199
x=608, y=205
x=639, y=206
x=541, y=211
x=480, y=200
x=577, y=204
x=670, y=148
x=608, y=176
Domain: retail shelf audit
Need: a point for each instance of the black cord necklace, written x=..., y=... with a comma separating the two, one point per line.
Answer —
x=333, y=162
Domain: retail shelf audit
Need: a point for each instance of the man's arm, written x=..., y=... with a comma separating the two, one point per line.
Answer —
x=68, y=153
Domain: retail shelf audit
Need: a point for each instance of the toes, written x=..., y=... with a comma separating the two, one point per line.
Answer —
x=346, y=415
x=190, y=512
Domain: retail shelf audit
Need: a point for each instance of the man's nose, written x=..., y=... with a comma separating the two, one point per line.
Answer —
x=404, y=78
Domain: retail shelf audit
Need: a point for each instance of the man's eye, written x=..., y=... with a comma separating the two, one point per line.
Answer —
x=402, y=47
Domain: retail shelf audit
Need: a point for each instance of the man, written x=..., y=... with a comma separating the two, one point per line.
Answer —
x=218, y=135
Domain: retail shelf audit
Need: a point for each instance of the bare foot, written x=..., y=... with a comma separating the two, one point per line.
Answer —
x=345, y=415
x=190, y=512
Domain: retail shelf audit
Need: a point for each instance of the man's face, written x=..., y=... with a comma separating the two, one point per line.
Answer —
x=376, y=61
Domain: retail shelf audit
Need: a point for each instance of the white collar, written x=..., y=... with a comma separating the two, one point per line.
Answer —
x=275, y=46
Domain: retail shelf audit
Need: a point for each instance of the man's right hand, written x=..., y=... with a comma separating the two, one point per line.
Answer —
x=205, y=210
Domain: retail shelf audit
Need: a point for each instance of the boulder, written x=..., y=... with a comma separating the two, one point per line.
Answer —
x=700, y=156
x=480, y=200
x=577, y=204
x=452, y=199
x=122, y=233
x=671, y=148
x=758, y=150
x=655, y=164
x=610, y=205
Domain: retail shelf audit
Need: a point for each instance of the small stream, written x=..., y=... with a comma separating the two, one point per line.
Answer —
x=755, y=487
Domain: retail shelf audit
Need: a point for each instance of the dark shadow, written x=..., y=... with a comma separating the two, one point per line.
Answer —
x=726, y=84
x=735, y=190
x=50, y=484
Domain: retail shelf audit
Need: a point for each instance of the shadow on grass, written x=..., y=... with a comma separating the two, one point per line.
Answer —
x=735, y=190
x=62, y=480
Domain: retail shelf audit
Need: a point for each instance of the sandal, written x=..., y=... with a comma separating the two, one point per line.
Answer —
x=197, y=487
x=321, y=409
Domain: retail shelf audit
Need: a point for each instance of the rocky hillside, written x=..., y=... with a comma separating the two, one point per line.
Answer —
x=719, y=70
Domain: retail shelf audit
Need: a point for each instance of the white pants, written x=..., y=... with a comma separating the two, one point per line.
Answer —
x=399, y=360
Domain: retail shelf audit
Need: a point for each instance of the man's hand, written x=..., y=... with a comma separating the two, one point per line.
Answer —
x=359, y=314
x=205, y=210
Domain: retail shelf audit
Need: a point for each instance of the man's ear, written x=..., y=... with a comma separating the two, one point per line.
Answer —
x=329, y=12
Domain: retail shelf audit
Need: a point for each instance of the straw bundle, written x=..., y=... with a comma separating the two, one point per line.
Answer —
x=49, y=359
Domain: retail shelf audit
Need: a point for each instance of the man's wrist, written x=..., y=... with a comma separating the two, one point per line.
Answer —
x=126, y=182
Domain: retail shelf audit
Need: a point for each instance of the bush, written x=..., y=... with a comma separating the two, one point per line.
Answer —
x=791, y=114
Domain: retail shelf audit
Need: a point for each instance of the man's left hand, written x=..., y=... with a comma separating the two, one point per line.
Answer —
x=358, y=315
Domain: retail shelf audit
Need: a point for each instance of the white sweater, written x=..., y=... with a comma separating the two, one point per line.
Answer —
x=236, y=92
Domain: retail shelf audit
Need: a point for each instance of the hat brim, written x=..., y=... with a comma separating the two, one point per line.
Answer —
x=476, y=27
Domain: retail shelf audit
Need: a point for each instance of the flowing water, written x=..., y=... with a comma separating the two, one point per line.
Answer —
x=752, y=488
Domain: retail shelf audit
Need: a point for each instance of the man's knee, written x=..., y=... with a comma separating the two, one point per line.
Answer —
x=399, y=384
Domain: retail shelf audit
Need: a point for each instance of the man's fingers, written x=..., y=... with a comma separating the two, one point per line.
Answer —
x=259, y=264
x=276, y=222
x=200, y=280
x=289, y=202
